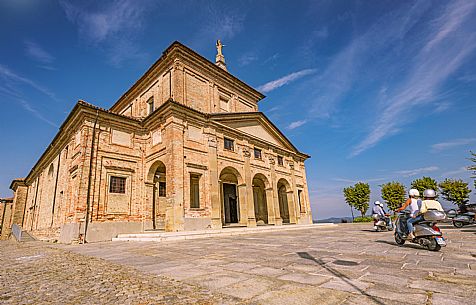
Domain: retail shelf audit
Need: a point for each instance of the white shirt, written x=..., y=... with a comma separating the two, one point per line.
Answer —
x=414, y=206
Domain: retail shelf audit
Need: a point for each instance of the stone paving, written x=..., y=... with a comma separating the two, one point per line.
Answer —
x=345, y=264
x=36, y=273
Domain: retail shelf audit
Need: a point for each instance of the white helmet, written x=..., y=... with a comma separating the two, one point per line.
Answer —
x=378, y=203
x=429, y=193
x=414, y=193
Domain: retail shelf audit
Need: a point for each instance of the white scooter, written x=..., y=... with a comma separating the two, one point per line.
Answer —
x=382, y=223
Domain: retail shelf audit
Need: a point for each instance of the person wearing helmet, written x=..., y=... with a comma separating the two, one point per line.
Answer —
x=378, y=210
x=429, y=202
x=412, y=204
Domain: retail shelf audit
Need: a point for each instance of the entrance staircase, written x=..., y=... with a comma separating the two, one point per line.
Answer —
x=233, y=231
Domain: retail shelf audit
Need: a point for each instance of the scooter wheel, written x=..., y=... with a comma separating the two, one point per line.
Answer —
x=433, y=245
x=399, y=240
x=458, y=224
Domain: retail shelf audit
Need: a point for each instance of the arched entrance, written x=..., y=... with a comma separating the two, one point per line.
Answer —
x=157, y=176
x=283, y=189
x=230, y=179
x=260, y=183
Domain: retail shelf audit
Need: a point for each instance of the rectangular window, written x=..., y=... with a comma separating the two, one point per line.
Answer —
x=162, y=189
x=150, y=103
x=301, y=208
x=229, y=144
x=117, y=185
x=194, y=191
x=257, y=153
x=280, y=160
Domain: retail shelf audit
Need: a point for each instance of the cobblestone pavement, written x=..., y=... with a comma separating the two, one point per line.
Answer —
x=345, y=264
x=36, y=273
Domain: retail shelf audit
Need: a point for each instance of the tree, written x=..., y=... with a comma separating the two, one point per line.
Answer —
x=455, y=191
x=394, y=194
x=473, y=167
x=425, y=183
x=358, y=196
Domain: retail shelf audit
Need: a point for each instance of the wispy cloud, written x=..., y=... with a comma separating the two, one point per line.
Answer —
x=443, y=53
x=416, y=171
x=28, y=107
x=451, y=144
x=12, y=78
x=247, y=58
x=37, y=53
x=10, y=87
x=457, y=172
x=272, y=85
x=353, y=181
x=113, y=26
x=296, y=124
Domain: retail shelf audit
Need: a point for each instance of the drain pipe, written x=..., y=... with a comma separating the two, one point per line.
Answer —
x=56, y=188
x=88, y=198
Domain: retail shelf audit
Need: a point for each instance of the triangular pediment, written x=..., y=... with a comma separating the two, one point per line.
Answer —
x=255, y=125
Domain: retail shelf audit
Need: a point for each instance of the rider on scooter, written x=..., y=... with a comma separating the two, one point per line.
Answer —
x=379, y=211
x=428, y=204
x=412, y=203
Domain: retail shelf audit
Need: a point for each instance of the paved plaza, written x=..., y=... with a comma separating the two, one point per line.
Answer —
x=344, y=264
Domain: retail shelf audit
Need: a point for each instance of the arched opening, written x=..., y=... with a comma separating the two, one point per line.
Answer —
x=259, y=198
x=283, y=188
x=230, y=178
x=157, y=177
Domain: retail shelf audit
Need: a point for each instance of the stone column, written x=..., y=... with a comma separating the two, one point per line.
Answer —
x=270, y=205
x=249, y=189
x=306, y=198
x=294, y=210
x=274, y=189
x=215, y=197
x=242, y=201
x=174, y=214
x=20, y=190
x=178, y=87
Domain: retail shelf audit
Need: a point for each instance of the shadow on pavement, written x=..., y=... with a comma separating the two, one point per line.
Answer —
x=321, y=263
x=395, y=244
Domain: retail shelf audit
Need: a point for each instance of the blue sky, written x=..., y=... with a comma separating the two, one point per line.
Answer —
x=374, y=91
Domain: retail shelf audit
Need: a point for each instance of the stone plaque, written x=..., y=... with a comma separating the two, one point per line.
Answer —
x=121, y=138
x=156, y=137
x=194, y=133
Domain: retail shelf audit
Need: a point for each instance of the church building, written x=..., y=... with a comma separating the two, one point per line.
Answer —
x=185, y=148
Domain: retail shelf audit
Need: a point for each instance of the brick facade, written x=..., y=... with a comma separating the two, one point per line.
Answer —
x=139, y=165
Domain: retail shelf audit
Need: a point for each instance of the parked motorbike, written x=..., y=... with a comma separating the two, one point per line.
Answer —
x=427, y=233
x=381, y=223
x=461, y=219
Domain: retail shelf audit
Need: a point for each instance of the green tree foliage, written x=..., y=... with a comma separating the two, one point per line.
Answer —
x=455, y=191
x=358, y=196
x=473, y=167
x=394, y=194
x=425, y=183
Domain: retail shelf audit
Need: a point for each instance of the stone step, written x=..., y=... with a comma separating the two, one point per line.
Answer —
x=26, y=237
x=185, y=235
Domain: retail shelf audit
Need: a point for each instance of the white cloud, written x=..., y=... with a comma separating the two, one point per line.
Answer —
x=272, y=85
x=28, y=107
x=114, y=26
x=442, y=55
x=36, y=52
x=450, y=144
x=457, y=172
x=296, y=124
x=353, y=181
x=247, y=58
x=417, y=171
x=12, y=78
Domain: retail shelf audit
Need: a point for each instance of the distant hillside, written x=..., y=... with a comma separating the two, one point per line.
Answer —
x=333, y=220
